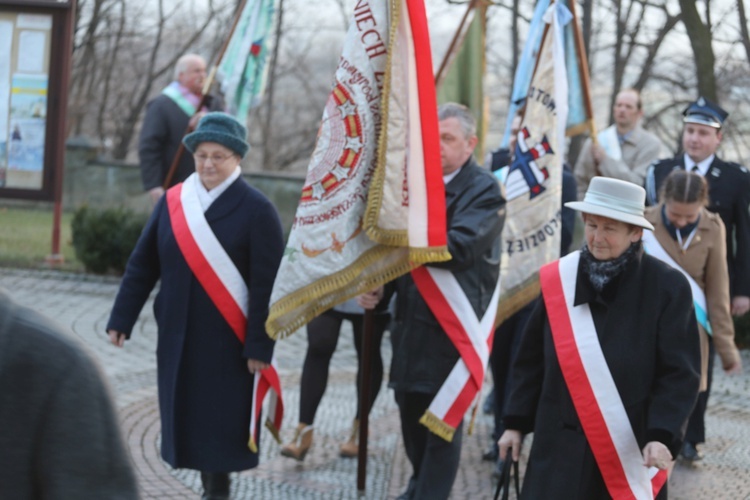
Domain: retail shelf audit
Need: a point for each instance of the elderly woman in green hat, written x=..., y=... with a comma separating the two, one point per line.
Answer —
x=215, y=244
x=608, y=368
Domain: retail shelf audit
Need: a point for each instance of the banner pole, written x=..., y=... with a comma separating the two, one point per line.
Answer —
x=365, y=371
x=204, y=97
x=454, y=43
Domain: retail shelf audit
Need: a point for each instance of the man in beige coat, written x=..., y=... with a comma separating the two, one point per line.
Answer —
x=623, y=151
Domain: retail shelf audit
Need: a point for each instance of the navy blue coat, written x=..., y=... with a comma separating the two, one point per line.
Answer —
x=205, y=388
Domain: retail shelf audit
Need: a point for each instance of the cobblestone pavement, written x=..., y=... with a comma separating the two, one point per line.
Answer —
x=82, y=303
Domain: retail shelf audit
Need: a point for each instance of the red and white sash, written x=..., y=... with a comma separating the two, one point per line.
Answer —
x=592, y=388
x=223, y=283
x=472, y=337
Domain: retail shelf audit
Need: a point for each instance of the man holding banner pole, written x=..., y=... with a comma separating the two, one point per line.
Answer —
x=445, y=315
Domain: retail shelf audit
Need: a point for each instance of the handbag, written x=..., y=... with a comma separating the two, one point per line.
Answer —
x=510, y=468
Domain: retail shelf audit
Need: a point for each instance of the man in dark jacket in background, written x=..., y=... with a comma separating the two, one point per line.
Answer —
x=59, y=434
x=167, y=118
x=423, y=353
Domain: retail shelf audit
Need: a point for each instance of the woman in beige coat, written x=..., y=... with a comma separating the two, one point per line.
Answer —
x=691, y=238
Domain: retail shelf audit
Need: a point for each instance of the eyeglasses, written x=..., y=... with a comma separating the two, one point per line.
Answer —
x=216, y=159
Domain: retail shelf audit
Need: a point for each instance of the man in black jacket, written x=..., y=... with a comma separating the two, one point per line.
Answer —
x=423, y=353
x=59, y=433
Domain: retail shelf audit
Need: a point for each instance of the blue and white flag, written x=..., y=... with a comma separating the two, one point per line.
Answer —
x=578, y=118
x=531, y=236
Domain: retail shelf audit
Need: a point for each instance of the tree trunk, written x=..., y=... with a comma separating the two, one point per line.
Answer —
x=586, y=28
x=703, y=52
x=515, y=35
x=743, y=28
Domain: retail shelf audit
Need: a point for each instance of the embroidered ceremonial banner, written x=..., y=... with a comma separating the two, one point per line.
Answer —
x=592, y=388
x=652, y=246
x=223, y=283
x=531, y=235
x=242, y=68
x=373, y=203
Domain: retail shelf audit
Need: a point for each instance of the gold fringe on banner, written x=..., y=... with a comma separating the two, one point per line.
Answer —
x=376, y=267
x=375, y=196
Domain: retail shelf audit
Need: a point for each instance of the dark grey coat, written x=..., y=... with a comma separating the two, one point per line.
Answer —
x=423, y=355
x=59, y=433
x=162, y=131
x=647, y=329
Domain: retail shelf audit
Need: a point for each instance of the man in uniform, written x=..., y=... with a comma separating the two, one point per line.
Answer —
x=623, y=151
x=729, y=196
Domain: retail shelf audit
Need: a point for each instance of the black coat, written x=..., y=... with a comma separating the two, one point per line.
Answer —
x=205, y=388
x=647, y=329
x=729, y=196
x=162, y=131
x=423, y=355
x=59, y=431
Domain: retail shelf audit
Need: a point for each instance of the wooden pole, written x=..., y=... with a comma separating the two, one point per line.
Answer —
x=583, y=69
x=66, y=39
x=365, y=370
x=204, y=96
x=452, y=47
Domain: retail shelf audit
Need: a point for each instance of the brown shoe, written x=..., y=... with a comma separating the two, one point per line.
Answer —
x=300, y=444
x=350, y=449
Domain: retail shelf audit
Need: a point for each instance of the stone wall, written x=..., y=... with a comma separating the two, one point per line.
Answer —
x=103, y=184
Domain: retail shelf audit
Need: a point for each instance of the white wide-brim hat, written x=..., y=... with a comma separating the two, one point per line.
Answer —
x=616, y=199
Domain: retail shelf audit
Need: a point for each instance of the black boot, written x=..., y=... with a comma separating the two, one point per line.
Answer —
x=215, y=486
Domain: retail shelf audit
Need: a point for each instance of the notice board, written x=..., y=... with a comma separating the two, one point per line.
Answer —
x=35, y=53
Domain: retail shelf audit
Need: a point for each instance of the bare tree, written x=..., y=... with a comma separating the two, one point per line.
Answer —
x=744, y=34
x=700, y=36
x=123, y=51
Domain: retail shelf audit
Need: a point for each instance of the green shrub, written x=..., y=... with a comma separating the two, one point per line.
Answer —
x=104, y=239
x=742, y=331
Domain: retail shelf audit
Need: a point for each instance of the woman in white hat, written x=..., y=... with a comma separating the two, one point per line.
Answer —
x=608, y=368
x=693, y=240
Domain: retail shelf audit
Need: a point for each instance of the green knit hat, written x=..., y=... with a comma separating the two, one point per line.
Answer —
x=220, y=128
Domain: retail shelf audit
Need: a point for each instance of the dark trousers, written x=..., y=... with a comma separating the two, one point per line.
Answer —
x=696, y=428
x=322, y=337
x=434, y=460
x=504, y=348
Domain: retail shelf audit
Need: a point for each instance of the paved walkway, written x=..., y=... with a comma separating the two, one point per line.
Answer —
x=82, y=303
